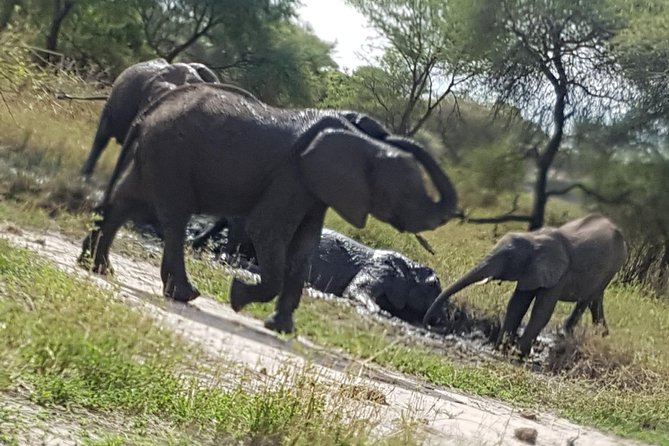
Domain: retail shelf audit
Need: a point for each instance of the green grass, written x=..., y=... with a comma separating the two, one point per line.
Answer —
x=620, y=384
x=70, y=344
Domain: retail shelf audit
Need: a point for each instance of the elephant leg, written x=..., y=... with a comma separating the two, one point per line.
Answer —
x=574, y=317
x=299, y=254
x=122, y=207
x=515, y=312
x=597, y=311
x=271, y=262
x=271, y=256
x=173, y=270
x=102, y=137
x=542, y=310
x=201, y=240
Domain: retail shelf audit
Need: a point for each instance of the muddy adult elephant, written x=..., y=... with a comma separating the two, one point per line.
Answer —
x=132, y=90
x=202, y=149
x=572, y=263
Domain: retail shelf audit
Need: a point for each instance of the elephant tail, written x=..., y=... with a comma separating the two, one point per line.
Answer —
x=129, y=146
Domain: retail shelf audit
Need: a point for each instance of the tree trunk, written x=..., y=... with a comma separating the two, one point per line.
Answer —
x=545, y=160
x=61, y=8
x=6, y=13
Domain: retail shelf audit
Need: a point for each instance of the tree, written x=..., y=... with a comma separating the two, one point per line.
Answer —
x=288, y=68
x=422, y=56
x=553, y=59
x=6, y=12
x=61, y=8
x=633, y=164
x=173, y=26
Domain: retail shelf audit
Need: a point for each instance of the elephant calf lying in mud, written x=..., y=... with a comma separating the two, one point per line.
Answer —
x=572, y=263
x=203, y=149
x=343, y=267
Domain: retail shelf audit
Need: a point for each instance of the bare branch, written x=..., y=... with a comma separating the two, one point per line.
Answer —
x=621, y=198
x=9, y=109
x=81, y=98
x=503, y=218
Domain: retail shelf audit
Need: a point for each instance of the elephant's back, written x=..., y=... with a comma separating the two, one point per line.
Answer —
x=601, y=239
x=229, y=147
x=336, y=262
x=209, y=110
x=127, y=93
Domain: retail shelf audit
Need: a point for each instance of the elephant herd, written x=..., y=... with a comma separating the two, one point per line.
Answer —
x=193, y=145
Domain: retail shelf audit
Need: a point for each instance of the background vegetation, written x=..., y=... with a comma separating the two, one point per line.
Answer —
x=540, y=111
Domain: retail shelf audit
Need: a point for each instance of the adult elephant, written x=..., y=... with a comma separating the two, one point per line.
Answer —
x=207, y=150
x=362, y=122
x=132, y=90
x=572, y=263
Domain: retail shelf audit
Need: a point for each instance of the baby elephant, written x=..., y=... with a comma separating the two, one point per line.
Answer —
x=572, y=263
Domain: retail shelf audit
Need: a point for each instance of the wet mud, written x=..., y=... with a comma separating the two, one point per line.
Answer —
x=460, y=331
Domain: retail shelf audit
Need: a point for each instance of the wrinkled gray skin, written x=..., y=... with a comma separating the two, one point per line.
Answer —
x=393, y=282
x=343, y=267
x=572, y=263
x=132, y=90
x=362, y=122
x=202, y=149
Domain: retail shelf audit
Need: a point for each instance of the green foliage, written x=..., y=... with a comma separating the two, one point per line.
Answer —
x=488, y=174
x=295, y=61
x=421, y=62
x=531, y=46
x=643, y=215
x=643, y=50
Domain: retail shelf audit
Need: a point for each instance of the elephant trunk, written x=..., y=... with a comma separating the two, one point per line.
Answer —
x=447, y=205
x=483, y=270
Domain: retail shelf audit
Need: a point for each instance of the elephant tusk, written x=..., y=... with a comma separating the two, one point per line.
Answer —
x=484, y=281
x=424, y=243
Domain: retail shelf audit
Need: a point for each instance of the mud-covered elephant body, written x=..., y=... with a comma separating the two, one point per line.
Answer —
x=380, y=279
x=572, y=263
x=376, y=277
x=132, y=90
x=202, y=149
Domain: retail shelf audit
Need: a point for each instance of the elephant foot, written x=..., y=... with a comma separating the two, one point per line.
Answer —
x=97, y=265
x=199, y=242
x=280, y=323
x=242, y=294
x=181, y=292
x=524, y=347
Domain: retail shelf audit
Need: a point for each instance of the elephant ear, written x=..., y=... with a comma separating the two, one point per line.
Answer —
x=337, y=168
x=371, y=285
x=157, y=89
x=548, y=263
x=206, y=73
x=395, y=277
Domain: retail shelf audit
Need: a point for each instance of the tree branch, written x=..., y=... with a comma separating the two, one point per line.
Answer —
x=599, y=197
x=81, y=98
x=503, y=218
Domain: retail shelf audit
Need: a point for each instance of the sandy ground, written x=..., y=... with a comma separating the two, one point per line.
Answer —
x=446, y=417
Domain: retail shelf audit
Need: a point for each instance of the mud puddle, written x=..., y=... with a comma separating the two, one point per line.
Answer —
x=465, y=334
